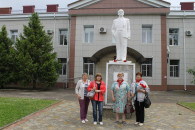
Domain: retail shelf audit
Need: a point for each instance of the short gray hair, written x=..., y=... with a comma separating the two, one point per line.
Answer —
x=84, y=74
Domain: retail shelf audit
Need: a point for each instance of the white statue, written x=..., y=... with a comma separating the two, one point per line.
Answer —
x=121, y=33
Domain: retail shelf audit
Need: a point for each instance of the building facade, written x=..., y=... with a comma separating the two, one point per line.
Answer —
x=162, y=42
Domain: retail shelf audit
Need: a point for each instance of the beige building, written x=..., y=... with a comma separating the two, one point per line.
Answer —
x=162, y=41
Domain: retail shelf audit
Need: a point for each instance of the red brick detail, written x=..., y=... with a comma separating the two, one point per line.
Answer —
x=29, y=9
x=163, y=53
x=6, y=10
x=52, y=8
x=157, y=88
x=187, y=5
x=114, y=11
x=112, y=1
x=60, y=85
x=122, y=4
x=180, y=87
x=106, y=7
x=72, y=47
x=170, y=87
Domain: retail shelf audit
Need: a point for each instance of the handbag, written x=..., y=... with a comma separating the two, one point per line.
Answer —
x=92, y=92
x=129, y=108
x=147, y=101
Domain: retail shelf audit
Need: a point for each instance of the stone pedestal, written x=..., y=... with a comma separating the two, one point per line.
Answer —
x=112, y=69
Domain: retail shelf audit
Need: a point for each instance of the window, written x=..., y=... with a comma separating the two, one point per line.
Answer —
x=14, y=35
x=174, y=68
x=63, y=62
x=173, y=37
x=89, y=34
x=146, y=33
x=63, y=36
x=146, y=67
x=88, y=66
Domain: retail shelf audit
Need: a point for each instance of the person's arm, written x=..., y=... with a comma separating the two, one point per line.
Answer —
x=90, y=87
x=128, y=90
x=77, y=89
x=128, y=29
x=103, y=88
x=112, y=93
x=145, y=86
x=129, y=96
x=133, y=89
x=113, y=29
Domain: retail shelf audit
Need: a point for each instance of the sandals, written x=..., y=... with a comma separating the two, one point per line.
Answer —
x=117, y=122
x=124, y=122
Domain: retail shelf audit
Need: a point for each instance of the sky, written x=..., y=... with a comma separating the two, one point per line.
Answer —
x=41, y=4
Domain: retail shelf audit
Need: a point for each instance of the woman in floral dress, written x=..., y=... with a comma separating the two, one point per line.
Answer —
x=120, y=92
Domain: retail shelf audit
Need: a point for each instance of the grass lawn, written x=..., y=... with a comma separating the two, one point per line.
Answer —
x=189, y=105
x=12, y=109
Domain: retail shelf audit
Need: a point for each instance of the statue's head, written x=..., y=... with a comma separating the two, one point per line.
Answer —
x=121, y=12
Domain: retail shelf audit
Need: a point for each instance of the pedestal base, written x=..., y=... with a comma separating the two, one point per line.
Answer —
x=112, y=69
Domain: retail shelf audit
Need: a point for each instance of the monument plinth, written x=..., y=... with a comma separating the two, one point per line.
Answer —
x=112, y=69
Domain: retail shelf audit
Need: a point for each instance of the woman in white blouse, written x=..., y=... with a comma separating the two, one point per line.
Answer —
x=138, y=89
x=81, y=92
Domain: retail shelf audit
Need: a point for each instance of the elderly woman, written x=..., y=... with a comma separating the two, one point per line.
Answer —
x=139, y=89
x=97, y=100
x=81, y=92
x=120, y=92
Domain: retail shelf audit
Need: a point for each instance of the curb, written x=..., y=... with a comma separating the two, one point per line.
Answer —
x=30, y=116
x=185, y=107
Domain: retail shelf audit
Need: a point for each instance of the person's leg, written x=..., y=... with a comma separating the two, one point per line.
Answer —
x=137, y=111
x=124, y=48
x=117, y=46
x=82, y=110
x=94, y=105
x=123, y=117
x=120, y=45
x=117, y=116
x=100, y=108
x=141, y=112
x=86, y=106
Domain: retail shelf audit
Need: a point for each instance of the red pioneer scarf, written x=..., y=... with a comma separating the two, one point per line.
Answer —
x=144, y=86
x=120, y=82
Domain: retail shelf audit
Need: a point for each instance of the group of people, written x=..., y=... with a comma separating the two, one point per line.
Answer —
x=121, y=93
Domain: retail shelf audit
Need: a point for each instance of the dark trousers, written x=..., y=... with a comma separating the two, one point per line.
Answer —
x=100, y=109
x=84, y=107
x=139, y=108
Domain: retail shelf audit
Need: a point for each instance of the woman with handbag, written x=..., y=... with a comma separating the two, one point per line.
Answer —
x=100, y=88
x=81, y=92
x=120, y=92
x=139, y=90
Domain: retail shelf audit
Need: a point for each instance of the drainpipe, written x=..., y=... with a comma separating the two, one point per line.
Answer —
x=184, y=50
x=54, y=38
x=67, y=52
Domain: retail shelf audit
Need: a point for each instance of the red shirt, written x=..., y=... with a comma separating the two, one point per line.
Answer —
x=102, y=89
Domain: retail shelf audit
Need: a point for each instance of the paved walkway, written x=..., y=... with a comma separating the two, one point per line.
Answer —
x=163, y=115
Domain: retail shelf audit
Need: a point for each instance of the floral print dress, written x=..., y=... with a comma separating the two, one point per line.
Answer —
x=121, y=95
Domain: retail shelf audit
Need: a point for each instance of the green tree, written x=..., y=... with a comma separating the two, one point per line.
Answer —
x=36, y=60
x=6, y=59
x=192, y=72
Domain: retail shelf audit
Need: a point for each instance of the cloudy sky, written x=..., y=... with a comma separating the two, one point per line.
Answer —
x=41, y=4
